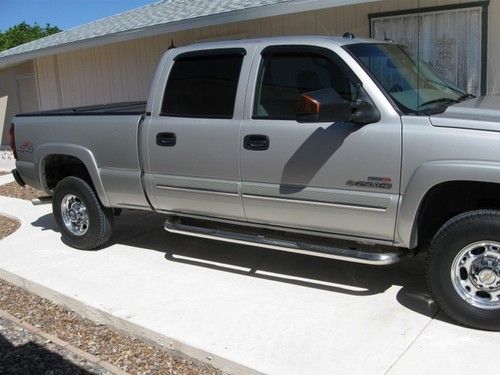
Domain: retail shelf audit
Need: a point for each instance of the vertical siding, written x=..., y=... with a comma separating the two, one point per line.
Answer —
x=494, y=48
x=48, y=82
x=123, y=71
x=116, y=72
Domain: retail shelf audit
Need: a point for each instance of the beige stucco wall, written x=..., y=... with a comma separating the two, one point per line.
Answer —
x=9, y=97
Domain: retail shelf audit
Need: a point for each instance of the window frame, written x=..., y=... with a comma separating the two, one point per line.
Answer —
x=214, y=53
x=294, y=50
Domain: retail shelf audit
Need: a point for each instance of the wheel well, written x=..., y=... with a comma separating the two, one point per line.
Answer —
x=57, y=167
x=449, y=199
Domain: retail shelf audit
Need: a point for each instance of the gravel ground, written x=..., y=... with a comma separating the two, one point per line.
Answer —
x=128, y=353
x=7, y=226
x=14, y=190
x=23, y=352
x=6, y=155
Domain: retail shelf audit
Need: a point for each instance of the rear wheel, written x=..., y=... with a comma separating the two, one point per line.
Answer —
x=464, y=269
x=84, y=223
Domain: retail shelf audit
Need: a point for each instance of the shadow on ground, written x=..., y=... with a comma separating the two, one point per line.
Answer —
x=32, y=358
x=145, y=230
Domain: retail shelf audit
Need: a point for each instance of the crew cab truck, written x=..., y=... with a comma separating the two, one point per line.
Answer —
x=342, y=148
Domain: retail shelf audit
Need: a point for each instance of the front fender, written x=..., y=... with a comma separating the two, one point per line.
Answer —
x=42, y=152
x=432, y=174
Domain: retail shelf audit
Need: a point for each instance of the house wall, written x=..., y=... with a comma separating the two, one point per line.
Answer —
x=123, y=71
x=9, y=95
x=494, y=48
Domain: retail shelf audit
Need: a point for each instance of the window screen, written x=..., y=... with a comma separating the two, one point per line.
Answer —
x=202, y=86
x=285, y=77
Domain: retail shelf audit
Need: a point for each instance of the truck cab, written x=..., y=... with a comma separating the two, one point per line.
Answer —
x=225, y=140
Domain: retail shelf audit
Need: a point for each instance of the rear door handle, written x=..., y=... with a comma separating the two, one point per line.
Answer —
x=166, y=139
x=256, y=142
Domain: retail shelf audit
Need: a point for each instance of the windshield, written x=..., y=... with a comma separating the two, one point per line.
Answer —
x=412, y=84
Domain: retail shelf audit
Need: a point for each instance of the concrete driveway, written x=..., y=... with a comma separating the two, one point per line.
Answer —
x=245, y=309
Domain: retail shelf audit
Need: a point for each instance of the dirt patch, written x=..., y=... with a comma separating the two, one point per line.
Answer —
x=4, y=173
x=14, y=190
x=7, y=226
x=126, y=352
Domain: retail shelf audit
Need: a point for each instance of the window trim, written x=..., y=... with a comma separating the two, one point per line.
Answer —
x=294, y=50
x=214, y=53
x=211, y=53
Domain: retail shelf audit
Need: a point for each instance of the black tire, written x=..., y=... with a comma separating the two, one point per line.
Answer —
x=100, y=219
x=454, y=236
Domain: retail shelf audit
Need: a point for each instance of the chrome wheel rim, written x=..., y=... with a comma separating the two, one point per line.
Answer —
x=475, y=274
x=74, y=215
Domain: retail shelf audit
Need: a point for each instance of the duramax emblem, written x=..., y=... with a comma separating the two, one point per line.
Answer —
x=372, y=182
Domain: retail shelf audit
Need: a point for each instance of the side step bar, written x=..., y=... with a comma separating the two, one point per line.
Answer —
x=41, y=200
x=175, y=225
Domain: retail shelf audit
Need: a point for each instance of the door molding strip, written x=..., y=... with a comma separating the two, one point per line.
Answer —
x=199, y=191
x=317, y=203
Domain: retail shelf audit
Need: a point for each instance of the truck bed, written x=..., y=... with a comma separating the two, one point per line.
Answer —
x=111, y=109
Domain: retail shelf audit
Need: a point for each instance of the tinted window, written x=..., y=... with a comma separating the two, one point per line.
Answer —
x=203, y=86
x=284, y=78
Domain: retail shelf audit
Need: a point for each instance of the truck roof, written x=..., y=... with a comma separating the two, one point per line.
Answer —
x=296, y=39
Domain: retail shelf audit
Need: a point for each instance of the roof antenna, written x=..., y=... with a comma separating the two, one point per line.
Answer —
x=349, y=36
x=171, y=44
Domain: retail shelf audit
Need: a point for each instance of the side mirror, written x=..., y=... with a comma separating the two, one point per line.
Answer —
x=323, y=105
x=326, y=105
x=364, y=113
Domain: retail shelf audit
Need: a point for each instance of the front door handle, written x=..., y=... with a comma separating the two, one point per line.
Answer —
x=256, y=142
x=166, y=139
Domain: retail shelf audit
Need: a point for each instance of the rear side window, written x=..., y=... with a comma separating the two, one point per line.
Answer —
x=202, y=86
x=284, y=77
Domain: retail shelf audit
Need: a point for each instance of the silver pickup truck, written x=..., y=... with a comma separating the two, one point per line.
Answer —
x=342, y=148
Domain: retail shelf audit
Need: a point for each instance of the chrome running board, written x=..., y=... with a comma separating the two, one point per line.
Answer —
x=298, y=246
x=41, y=200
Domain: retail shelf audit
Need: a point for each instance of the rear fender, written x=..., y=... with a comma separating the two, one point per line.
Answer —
x=84, y=155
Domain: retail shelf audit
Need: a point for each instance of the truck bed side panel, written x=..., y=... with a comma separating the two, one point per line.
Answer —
x=109, y=141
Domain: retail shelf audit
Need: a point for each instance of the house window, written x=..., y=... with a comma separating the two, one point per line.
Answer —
x=449, y=39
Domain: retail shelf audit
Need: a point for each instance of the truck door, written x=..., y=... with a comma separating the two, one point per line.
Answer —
x=192, y=137
x=340, y=178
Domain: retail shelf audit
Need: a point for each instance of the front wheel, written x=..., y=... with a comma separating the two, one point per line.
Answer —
x=463, y=269
x=84, y=223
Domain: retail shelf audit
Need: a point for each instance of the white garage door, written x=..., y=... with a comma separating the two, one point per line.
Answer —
x=449, y=40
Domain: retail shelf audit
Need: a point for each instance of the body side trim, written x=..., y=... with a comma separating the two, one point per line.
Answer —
x=317, y=203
